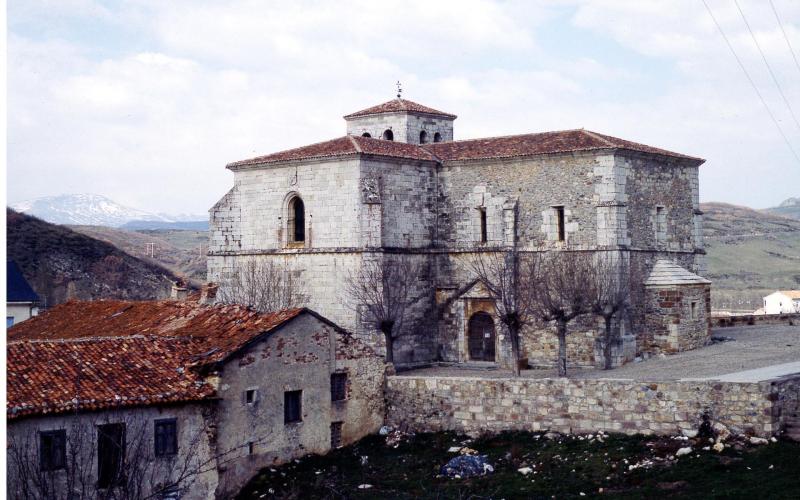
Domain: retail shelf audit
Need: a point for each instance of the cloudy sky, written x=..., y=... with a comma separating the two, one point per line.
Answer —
x=146, y=101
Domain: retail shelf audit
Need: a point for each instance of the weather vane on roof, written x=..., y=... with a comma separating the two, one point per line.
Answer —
x=399, y=89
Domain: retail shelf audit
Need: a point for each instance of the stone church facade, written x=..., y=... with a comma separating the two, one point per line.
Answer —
x=398, y=187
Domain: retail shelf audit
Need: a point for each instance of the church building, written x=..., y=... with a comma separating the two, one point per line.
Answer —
x=398, y=186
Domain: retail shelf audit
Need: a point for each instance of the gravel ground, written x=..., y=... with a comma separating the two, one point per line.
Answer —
x=753, y=347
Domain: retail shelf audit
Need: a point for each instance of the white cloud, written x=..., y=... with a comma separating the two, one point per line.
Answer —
x=150, y=117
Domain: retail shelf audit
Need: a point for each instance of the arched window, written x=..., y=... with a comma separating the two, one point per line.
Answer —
x=388, y=135
x=297, y=220
x=423, y=137
x=437, y=137
x=365, y=134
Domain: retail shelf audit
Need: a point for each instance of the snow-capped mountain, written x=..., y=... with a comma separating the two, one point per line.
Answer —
x=91, y=209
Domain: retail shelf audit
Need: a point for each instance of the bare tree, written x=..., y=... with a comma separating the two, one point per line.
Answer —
x=383, y=291
x=140, y=475
x=563, y=291
x=262, y=285
x=509, y=278
x=610, y=289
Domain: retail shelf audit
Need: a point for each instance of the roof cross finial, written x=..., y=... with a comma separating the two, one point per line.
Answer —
x=399, y=89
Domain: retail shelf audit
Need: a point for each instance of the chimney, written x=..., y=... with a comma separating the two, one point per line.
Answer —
x=179, y=291
x=208, y=294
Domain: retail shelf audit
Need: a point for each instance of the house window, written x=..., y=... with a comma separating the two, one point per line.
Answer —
x=292, y=407
x=9, y=321
x=297, y=220
x=560, y=232
x=388, y=135
x=53, y=450
x=366, y=134
x=423, y=137
x=437, y=137
x=110, y=454
x=250, y=396
x=336, y=435
x=338, y=386
x=482, y=216
x=166, y=437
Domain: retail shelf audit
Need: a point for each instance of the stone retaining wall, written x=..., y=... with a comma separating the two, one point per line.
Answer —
x=475, y=405
x=755, y=319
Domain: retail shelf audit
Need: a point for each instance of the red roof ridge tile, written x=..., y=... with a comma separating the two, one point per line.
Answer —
x=355, y=143
x=399, y=105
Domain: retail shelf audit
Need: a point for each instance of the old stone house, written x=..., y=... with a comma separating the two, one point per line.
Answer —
x=178, y=396
x=398, y=187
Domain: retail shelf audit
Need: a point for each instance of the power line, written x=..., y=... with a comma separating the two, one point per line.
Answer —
x=752, y=83
x=769, y=68
x=785, y=37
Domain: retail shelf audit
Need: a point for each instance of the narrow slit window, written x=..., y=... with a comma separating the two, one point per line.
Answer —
x=484, y=232
x=660, y=224
x=560, y=223
x=693, y=306
x=336, y=435
x=297, y=220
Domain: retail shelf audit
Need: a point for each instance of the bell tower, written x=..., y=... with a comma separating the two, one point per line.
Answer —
x=401, y=120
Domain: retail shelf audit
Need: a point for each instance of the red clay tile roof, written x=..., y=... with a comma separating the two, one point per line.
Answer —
x=343, y=146
x=536, y=144
x=130, y=353
x=216, y=331
x=399, y=105
x=512, y=146
x=47, y=377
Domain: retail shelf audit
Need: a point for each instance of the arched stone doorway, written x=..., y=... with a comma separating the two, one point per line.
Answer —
x=481, y=337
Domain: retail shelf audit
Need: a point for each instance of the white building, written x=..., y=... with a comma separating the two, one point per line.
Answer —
x=782, y=302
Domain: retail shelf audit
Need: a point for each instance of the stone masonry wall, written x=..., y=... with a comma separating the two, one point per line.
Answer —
x=490, y=405
x=671, y=323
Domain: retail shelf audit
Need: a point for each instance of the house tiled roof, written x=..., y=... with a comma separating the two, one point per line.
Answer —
x=125, y=352
x=399, y=105
x=514, y=146
x=216, y=330
x=343, y=146
x=55, y=376
x=536, y=144
x=17, y=287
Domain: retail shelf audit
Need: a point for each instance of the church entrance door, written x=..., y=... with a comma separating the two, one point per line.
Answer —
x=481, y=337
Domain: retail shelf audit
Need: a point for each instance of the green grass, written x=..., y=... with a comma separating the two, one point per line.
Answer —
x=565, y=468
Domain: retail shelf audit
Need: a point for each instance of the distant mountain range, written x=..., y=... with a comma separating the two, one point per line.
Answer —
x=97, y=210
x=788, y=208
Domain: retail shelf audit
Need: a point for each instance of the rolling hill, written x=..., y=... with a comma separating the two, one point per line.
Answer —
x=180, y=251
x=62, y=264
x=751, y=253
